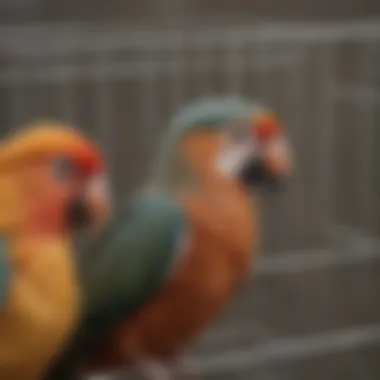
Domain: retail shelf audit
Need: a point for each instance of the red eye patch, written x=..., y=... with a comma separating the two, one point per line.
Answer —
x=266, y=128
x=89, y=161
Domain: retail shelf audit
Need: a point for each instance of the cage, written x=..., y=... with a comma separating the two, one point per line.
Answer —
x=310, y=310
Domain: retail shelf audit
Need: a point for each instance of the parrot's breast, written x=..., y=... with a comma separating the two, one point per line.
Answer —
x=221, y=242
x=42, y=309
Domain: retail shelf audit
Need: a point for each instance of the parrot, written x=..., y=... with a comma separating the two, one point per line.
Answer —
x=50, y=186
x=169, y=261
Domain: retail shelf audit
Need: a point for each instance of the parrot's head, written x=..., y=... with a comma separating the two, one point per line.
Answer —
x=57, y=176
x=236, y=137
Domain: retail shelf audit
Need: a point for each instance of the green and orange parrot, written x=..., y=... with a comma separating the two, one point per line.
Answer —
x=170, y=262
x=49, y=187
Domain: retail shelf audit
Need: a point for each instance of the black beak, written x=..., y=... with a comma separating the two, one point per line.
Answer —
x=255, y=173
x=78, y=213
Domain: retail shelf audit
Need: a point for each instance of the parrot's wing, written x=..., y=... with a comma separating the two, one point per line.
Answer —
x=5, y=272
x=126, y=266
x=132, y=259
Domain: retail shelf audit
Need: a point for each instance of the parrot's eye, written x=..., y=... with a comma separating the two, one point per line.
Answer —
x=64, y=168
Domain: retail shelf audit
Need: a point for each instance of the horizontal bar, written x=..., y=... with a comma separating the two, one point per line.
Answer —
x=311, y=260
x=281, y=350
x=74, y=38
x=355, y=93
x=349, y=246
x=60, y=73
x=350, y=234
x=289, y=349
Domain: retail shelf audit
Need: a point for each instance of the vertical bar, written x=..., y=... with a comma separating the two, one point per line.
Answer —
x=148, y=109
x=18, y=101
x=262, y=74
x=295, y=79
x=177, y=79
x=234, y=63
x=204, y=73
x=103, y=107
x=292, y=97
x=67, y=100
x=67, y=94
x=366, y=124
x=325, y=125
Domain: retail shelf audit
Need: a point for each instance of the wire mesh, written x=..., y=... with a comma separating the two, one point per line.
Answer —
x=312, y=303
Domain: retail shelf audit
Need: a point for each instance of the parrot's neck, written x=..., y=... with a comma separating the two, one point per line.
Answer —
x=188, y=164
x=171, y=174
x=174, y=175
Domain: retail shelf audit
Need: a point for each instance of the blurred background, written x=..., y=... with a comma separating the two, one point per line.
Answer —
x=119, y=69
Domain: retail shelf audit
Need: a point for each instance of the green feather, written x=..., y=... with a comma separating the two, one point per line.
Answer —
x=212, y=113
x=5, y=272
x=131, y=260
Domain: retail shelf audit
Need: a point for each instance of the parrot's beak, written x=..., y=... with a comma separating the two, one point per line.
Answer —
x=278, y=158
x=270, y=163
x=79, y=214
x=91, y=208
x=270, y=169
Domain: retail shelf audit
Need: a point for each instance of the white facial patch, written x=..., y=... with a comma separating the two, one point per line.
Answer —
x=279, y=148
x=234, y=154
x=98, y=187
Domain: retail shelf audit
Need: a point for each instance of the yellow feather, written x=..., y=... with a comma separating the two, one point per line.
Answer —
x=43, y=306
x=38, y=140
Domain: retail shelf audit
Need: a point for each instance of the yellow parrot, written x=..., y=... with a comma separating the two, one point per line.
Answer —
x=51, y=181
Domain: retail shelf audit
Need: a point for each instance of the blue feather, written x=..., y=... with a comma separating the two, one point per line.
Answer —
x=5, y=271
